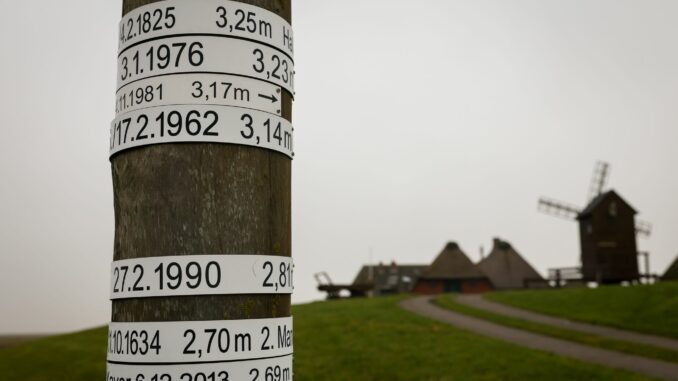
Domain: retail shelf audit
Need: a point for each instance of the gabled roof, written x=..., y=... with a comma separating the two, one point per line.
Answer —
x=672, y=272
x=596, y=202
x=452, y=263
x=505, y=268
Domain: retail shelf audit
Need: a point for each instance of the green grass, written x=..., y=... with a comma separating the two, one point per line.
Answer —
x=366, y=339
x=449, y=302
x=77, y=356
x=649, y=309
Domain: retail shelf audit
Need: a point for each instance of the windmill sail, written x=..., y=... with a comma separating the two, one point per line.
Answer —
x=643, y=228
x=558, y=208
x=600, y=173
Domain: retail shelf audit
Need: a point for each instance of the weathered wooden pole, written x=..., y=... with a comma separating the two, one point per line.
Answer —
x=200, y=198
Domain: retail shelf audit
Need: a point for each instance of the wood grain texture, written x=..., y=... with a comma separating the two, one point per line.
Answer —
x=203, y=198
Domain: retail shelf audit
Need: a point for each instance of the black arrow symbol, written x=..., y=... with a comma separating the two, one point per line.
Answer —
x=272, y=98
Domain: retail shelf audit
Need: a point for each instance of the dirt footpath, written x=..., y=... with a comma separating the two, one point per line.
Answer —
x=477, y=301
x=649, y=367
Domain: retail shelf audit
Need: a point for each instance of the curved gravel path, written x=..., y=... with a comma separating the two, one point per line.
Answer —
x=477, y=301
x=649, y=367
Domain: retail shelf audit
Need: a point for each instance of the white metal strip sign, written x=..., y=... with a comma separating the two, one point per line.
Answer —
x=199, y=341
x=201, y=275
x=218, y=17
x=205, y=54
x=193, y=89
x=201, y=123
x=270, y=369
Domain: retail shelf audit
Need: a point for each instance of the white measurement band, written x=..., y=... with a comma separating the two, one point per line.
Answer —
x=199, y=123
x=201, y=275
x=204, y=89
x=220, y=17
x=205, y=54
x=199, y=341
x=273, y=369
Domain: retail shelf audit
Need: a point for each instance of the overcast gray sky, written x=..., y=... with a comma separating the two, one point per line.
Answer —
x=416, y=123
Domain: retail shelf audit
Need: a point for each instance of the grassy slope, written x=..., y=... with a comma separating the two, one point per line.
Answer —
x=346, y=340
x=77, y=357
x=7, y=341
x=650, y=309
x=448, y=301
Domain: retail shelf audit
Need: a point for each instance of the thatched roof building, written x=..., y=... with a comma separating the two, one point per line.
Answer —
x=452, y=271
x=507, y=269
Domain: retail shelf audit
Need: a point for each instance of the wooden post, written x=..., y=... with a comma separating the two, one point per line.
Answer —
x=203, y=198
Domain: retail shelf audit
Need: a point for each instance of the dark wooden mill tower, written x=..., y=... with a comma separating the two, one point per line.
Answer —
x=607, y=231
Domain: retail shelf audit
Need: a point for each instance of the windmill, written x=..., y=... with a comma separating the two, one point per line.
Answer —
x=607, y=229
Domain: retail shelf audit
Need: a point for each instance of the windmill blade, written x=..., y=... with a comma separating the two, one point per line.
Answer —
x=600, y=173
x=558, y=208
x=643, y=229
x=323, y=278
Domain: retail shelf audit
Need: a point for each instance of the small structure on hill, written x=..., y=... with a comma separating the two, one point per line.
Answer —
x=373, y=280
x=506, y=269
x=452, y=271
x=391, y=279
x=607, y=231
x=672, y=272
x=334, y=290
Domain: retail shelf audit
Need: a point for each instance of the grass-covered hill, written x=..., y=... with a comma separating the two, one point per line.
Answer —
x=649, y=309
x=365, y=339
